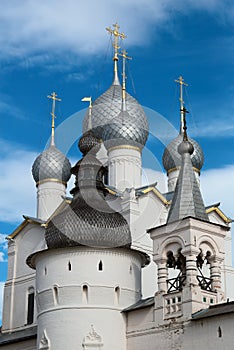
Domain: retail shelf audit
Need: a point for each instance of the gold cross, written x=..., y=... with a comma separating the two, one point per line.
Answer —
x=54, y=98
x=180, y=81
x=117, y=35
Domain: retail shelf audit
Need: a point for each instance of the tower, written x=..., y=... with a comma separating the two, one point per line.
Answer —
x=171, y=157
x=119, y=120
x=186, y=243
x=51, y=172
x=89, y=272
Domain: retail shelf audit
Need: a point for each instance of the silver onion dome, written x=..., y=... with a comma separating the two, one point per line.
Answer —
x=106, y=109
x=51, y=164
x=172, y=158
x=123, y=130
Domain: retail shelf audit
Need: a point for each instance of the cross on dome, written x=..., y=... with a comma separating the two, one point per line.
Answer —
x=54, y=98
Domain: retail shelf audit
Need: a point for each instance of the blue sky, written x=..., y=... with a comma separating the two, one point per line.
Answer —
x=63, y=47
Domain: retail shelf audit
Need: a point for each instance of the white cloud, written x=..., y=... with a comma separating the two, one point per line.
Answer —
x=17, y=188
x=217, y=186
x=30, y=26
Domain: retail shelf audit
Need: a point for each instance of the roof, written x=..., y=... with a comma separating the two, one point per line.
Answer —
x=18, y=336
x=215, y=208
x=187, y=199
x=140, y=304
x=27, y=219
x=151, y=188
x=214, y=310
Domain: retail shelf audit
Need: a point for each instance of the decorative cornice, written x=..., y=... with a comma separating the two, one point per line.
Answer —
x=178, y=168
x=51, y=180
x=124, y=147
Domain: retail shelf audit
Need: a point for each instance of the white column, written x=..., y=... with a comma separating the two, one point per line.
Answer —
x=124, y=165
x=49, y=196
x=162, y=275
x=215, y=273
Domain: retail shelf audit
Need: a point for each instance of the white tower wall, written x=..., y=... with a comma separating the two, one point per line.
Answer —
x=80, y=288
x=125, y=168
x=50, y=194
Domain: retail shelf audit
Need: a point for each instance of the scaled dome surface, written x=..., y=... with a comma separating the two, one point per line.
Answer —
x=82, y=224
x=123, y=131
x=51, y=164
x=172, y=158
x=106, y=109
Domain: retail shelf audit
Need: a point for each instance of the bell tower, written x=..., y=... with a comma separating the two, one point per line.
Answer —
x=188, y=249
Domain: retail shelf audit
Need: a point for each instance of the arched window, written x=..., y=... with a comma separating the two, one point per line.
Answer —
x=85, y=294
x=117, y=294
x=219, y=332
x=30, y=306
x=100, y=265
x=56, y=295
x=69, y=266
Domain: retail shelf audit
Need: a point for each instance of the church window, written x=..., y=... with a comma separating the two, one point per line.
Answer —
x=100, y=265
x=56, y=295
x=30, y=310
x=45, y=270
x=117, y=294
x=69, y=266
x=219, y=332
x=130, y=269
x=85, y=293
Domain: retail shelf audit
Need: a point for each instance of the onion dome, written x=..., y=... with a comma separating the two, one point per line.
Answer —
x=88, y=220
x=51, y=164
x=106, y=110
x=172, y=158
x=124, y=131
x=89, y=141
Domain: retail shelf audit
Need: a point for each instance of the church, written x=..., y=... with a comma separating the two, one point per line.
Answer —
x=80, y=272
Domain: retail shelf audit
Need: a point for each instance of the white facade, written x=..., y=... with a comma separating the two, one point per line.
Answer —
x=50, y=194
x=85, y=288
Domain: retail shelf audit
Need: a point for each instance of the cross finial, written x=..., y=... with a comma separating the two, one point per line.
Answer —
x=182, y=83
x=116, y=46
x=54, y=98
x=89, y=99
x=124, y=55
x=117, y=35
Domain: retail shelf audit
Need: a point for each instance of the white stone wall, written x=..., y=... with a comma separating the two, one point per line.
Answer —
x=50, y=195
x=73, y=294
x=125, y=170
x=21, y=278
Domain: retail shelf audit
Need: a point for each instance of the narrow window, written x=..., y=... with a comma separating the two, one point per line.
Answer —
x=85, y=293
x=45, y=270
x=100, y=266
x=69, y=266
x=219, y=332
x=56, y=295
x=130, y=269
x=117, y=294
x=30, y=312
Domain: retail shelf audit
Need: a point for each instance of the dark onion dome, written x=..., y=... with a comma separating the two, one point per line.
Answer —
x=172, y=159
x=107, y=107
x=51, y=164
x=95, y=226
x=88, y=220
x=88, y=141
x=123, y=131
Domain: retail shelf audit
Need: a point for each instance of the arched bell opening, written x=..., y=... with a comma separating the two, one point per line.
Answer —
x=176, y=265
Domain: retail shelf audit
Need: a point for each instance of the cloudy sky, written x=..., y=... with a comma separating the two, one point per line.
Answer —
x=63, y=46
